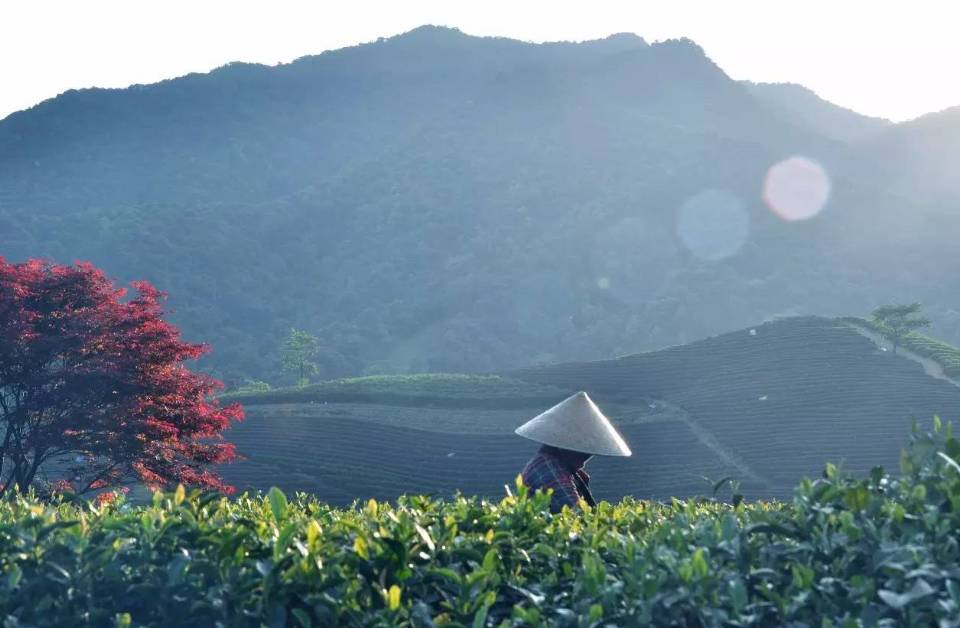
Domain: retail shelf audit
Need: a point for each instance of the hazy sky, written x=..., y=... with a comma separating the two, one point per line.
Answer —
x=892, y=59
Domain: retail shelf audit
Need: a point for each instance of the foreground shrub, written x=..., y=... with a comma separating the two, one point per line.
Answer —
x=879, y=550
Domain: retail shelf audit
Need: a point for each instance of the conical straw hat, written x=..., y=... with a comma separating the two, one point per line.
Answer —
x=576, y=423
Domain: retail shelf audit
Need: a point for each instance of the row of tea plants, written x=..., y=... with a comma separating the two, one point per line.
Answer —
x=945, y=354
x=880, y=550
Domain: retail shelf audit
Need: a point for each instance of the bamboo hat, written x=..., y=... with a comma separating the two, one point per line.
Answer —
x=577, y=424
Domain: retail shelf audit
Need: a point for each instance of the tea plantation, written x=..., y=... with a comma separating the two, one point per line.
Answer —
x=766, y=406
x=946, y=355
x=872, y=551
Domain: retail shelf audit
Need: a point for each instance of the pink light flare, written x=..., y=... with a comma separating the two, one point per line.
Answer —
x=796, y=188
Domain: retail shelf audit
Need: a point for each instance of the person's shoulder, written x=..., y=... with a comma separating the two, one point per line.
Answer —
x=538, y=461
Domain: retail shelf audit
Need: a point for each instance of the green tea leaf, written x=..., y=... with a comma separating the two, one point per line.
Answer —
x=700, y=566
x=950, y=461
x=394, y=598
x=899, y=601
x=278, y=503
x=596, y=612
x=179, y=495
x=302, y=617
x=426, y=537
x=313, y=533
x=738, y=594
x=490, y=561
x=284, y=539
x=14, y=575
x=480, y=618
x=360, y=547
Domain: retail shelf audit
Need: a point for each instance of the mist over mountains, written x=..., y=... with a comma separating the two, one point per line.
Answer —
x=436, y=201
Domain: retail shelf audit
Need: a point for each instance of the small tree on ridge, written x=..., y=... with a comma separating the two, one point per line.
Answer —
x=896, y=321
x=298, y=353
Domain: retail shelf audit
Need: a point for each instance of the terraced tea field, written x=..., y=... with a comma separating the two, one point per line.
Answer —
x=783, y=398
x=766, y=406
x=368, y=450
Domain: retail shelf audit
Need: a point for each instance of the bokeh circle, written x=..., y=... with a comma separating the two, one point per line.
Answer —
x=713, y=225
x=796, y=188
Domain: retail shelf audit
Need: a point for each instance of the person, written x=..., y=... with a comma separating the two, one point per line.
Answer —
x=570, y=434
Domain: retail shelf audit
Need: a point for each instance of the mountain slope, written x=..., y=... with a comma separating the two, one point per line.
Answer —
x=201, y=137
x=806, y=107
x=920, y=157
x=441, y=202
x=765, y=405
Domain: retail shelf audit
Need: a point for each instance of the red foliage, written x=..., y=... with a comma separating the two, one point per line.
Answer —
x=95, y=384
x=61, y=486
x=110, y=496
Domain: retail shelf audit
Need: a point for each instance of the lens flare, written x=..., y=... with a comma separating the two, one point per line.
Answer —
x=796, y=188
x=713, y=225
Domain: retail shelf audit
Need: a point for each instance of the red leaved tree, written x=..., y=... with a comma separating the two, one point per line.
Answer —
x=94, y=389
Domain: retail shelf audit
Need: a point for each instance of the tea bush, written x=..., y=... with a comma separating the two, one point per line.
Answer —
x=874, y=551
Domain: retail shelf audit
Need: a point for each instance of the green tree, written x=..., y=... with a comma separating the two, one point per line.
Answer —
x=896, y=321
x=298, y=353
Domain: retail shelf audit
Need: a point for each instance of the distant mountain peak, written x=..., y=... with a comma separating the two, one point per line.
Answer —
x=796, y=89
x=623, y=41
x=681, y=45
x=627, y=37
x=687, y=54
x=432, y=32
x=944, y=115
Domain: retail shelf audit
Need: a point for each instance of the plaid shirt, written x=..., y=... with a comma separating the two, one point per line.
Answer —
x=546, y=471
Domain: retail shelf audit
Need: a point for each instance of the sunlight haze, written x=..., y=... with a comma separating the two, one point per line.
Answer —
x=893, y=60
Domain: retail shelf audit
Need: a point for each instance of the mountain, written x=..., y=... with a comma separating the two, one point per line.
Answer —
x=441, y=202
x=920, y=157
x=765, y=405
x=804, y=106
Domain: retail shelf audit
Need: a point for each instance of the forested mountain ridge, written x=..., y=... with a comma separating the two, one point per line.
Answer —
x=920, y=157
x=295, y=112
x=821, y=116
x=436, y=201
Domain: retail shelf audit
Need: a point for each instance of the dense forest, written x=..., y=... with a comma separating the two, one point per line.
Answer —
x=441, y=202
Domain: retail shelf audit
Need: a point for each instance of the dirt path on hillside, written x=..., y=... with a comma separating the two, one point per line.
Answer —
x=931, y=367
x=707, y=438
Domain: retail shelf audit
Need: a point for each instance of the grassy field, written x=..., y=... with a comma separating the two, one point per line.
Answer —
x=880, y=550
x=765, y=406
x=421, y=390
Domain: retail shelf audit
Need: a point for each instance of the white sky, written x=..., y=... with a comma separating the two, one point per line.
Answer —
x=892, y=59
